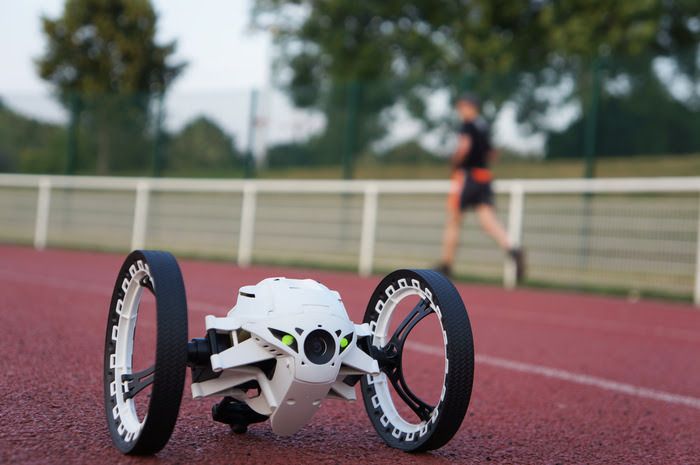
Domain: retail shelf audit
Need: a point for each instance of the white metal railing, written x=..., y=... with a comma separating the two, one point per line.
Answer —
x=370, y=191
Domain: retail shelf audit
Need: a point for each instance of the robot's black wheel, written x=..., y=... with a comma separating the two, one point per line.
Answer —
x=430, y=426
x=158, y=273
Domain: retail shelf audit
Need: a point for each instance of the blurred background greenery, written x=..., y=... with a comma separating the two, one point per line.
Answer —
x=363, y=89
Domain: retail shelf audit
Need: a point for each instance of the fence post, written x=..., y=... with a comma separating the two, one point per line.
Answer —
x=41, y=226
x=157, y=162
x=696, y=291
x=515, y=232
x=591, y=119
x=351, y=130
x=72, y=135
x=252, y=126
x=138, y=232
x=369, y=227
x=245, y=239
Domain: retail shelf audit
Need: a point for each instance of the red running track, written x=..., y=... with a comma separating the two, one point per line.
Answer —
x=560, y=378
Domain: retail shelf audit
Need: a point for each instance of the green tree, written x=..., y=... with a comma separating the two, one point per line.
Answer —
x=104, y=61
x=506, y=50
x=644, y=119
x=202, y=144
x=28, y=145
x=294, y=154
x=409, y=153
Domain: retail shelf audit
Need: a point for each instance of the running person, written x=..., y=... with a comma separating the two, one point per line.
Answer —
x=471, y=186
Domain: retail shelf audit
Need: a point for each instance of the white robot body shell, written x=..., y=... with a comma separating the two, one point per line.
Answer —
x=263, y=315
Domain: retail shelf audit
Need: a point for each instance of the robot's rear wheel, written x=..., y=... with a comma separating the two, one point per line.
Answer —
x=146, y=428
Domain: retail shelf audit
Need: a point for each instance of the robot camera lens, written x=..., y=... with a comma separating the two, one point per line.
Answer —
x=319, y=347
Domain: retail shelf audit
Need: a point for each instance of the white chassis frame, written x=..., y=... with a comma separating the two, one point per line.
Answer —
x=296, y=389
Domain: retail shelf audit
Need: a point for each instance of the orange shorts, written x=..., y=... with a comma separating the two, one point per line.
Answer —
x=470, y=189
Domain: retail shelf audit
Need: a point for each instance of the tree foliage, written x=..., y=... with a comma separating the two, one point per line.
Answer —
x=646, y=119
x=202, y=144
x=508, y=50
x=105, y=64
x=28, y=145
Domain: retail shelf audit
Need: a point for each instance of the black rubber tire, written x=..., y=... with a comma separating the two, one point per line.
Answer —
x=170, y=357
x=460, y=357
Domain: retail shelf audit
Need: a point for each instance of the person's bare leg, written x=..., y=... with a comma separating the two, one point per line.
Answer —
x=450, y=239
x=489, y=223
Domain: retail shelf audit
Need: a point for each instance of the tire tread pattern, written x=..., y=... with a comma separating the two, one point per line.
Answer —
x=460, y=356
x=170, y=357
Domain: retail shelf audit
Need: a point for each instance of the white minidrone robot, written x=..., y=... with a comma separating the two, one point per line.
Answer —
x=285, y=346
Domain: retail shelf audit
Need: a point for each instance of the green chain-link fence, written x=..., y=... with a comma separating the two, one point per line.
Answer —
x=547, y=123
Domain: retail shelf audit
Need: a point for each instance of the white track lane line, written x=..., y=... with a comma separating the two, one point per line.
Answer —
x=563, y=375
x=497, y=362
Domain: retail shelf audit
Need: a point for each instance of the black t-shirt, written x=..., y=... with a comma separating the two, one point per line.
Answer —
x=478, y=155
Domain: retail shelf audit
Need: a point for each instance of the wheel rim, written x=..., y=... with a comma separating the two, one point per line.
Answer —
x=435, y=424
x=165, y=378
x=121, y=360
x=382, y=340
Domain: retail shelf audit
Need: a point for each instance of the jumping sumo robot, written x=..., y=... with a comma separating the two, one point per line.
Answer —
x=285, y=346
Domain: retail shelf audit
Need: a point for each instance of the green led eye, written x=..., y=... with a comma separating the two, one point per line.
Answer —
x=344, y=343
x=288, y=339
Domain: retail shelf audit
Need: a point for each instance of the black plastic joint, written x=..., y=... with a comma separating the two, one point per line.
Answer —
x=198, y=351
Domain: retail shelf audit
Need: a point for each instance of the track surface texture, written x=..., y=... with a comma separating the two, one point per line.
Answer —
x=560, y=378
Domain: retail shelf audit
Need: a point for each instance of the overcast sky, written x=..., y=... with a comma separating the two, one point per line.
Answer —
x=213, y=36
x=226, y=61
